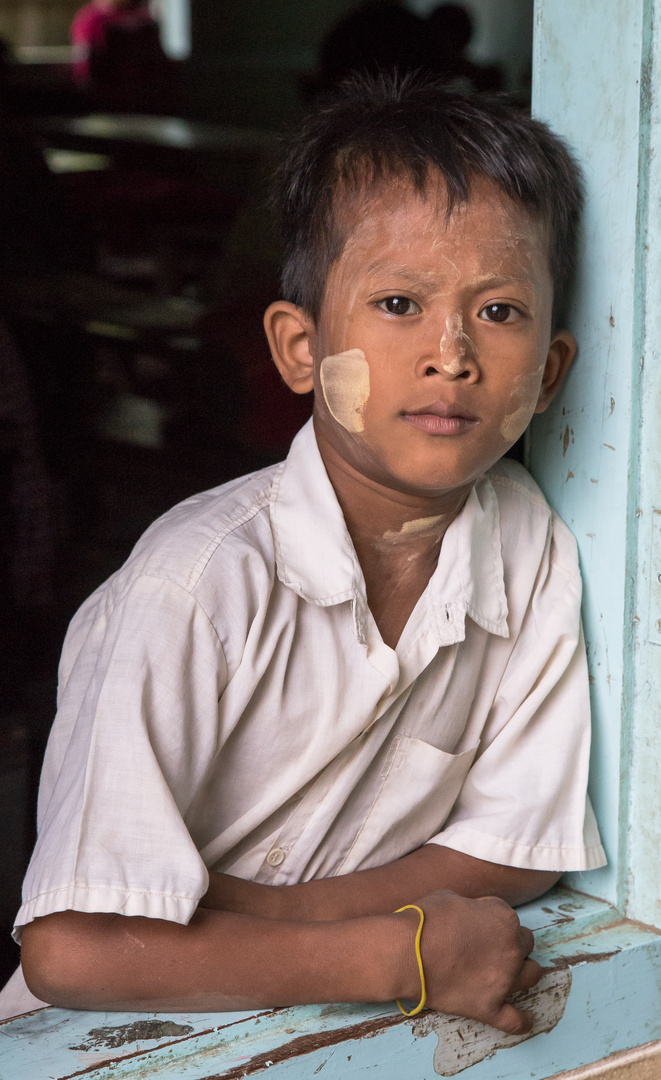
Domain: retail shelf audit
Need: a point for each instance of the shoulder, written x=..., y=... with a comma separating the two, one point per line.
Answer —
x=209, y=555
x=514, y=485
x=231, y=520
x=531, y=531
x=230, y=523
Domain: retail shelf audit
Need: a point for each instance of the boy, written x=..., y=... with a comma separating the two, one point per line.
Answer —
x=356, y=680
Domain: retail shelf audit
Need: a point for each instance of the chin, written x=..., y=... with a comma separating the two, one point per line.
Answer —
x=428, y=484
x=431, y=478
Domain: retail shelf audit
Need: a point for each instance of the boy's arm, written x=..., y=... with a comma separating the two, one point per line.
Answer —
x=381, y=890
x=474, y=953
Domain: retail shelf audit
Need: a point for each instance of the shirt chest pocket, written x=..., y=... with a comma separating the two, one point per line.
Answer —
x=419, y=785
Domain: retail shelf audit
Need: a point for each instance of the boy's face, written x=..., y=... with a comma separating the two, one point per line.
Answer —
x=433, y=347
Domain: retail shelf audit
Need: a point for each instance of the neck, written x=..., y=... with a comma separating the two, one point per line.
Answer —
x=383, y=516
x=397, y=537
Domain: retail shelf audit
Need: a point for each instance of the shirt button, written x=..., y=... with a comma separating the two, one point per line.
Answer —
x=276, y=856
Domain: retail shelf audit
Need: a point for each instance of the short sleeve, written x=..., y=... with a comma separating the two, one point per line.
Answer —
x=524, y=800
x=136, y=728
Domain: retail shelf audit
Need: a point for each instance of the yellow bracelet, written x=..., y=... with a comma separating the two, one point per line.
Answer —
x=418, y=957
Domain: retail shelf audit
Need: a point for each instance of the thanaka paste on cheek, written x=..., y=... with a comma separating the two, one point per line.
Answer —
x=345, y=382
x=526, y=391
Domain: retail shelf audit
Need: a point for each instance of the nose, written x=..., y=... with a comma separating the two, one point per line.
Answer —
x=454, y=356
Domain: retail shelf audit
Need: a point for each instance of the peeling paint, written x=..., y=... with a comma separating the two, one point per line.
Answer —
x=462, y=1043
x=306, y=1044
x=109, y=1038
x=562, y=963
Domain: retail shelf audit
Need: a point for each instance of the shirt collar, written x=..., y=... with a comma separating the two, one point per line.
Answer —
x=314, y=553
x=316, y=558
x=470, y=578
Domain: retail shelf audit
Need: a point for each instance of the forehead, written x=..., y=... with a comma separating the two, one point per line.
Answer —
x=487, y=228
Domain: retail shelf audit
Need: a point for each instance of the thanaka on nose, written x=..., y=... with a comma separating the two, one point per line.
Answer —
x=455, y=345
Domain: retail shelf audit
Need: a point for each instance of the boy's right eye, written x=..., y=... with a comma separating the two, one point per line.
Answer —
x=399, y=305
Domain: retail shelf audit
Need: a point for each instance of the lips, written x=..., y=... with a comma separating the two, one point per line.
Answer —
x=441, y=418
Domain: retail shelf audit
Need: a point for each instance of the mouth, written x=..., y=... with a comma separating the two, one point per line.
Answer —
x=441, y=418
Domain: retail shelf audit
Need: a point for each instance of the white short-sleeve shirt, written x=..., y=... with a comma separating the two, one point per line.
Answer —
x=226, y=702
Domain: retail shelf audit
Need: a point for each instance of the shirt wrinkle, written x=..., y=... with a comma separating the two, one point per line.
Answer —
x=458, y=829
x=261, y=502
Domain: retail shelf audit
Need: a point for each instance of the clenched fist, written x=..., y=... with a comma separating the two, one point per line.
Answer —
x=475, y=956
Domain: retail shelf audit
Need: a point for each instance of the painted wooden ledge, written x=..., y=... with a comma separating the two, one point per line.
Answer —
x=601, y=993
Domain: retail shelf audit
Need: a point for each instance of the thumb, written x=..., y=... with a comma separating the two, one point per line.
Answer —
x=513, y=1021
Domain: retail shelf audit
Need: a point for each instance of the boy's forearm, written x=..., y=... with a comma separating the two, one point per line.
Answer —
x=475, y=955
x=220, y=961
x=381, y=890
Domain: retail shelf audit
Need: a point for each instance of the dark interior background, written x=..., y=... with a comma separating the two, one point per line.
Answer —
x=135, y=264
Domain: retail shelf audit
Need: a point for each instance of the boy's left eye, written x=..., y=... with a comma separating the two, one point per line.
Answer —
x=499, y=313
x=399, y=305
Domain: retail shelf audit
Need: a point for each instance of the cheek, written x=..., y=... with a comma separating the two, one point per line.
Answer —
x=345, y=384
x=523, y=399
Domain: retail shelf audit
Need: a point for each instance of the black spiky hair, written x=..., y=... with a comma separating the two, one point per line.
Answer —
x=385, y=127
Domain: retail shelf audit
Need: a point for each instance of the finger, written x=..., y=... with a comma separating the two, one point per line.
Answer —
x=526, y=940
x=529, y=976
x=512, y=1021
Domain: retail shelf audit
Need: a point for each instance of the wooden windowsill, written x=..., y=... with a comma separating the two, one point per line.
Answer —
x=600, y=994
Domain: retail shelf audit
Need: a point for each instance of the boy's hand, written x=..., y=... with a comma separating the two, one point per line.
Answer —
x=474, y=954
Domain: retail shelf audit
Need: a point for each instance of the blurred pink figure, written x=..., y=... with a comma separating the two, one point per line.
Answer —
x=121, y=60
x=89, y=29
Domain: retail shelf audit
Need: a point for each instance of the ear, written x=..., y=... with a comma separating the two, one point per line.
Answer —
x=289, y=331
x=562, y=351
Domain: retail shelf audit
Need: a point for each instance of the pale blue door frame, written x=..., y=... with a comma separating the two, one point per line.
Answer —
x=597, y=451
x=597, y=454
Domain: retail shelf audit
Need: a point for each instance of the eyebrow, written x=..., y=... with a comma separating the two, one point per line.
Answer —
x=499, y=280
x=414, y=276
x=430, y=278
